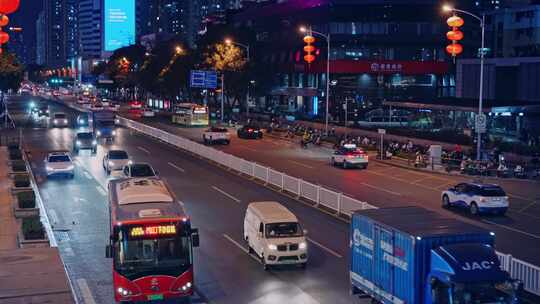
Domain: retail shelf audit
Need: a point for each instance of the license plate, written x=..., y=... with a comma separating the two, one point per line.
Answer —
x=155, y=297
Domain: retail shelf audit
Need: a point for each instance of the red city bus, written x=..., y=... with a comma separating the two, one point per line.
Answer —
x=151, y=242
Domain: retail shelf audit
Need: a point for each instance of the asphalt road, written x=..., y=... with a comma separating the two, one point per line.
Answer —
x=216, y=200
x=382, y=185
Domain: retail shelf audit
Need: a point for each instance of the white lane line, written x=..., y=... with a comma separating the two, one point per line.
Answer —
x=381, y=189
x=101, y=191
x=69, y=251
x=143, y=149
x=513, y=229
x=53, y=216
x=226, y=194
x=301, y=164
x=176, y=167
x=332, y=252
x=85, y=292
x=248, y=148
x=235, y=243
x=87, y=175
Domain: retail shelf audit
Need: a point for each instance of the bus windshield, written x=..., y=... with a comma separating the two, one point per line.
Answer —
x=156, y=255
x=483, y=293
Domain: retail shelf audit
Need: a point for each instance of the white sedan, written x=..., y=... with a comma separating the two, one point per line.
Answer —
x=115, y=160
x=477, y=198
x=59, y=163
x=350, y=156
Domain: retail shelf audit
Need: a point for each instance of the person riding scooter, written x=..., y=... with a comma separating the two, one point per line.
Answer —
x=305, y=139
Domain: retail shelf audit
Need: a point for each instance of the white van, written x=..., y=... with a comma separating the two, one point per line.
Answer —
x=274, y=234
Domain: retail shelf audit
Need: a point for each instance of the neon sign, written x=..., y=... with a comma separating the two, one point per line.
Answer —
x=140, y=231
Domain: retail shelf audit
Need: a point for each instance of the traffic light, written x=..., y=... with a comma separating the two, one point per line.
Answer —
x=455, y=35
x=309, y=48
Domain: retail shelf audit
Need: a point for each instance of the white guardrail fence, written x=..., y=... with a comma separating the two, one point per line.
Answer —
x=319, y=196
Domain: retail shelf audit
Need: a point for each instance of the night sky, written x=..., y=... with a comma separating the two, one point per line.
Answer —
x=26, y=18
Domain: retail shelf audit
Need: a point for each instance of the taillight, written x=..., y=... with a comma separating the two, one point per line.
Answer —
x=250, y=130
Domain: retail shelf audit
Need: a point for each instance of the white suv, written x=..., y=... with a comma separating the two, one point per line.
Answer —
x=115, y=160
x=59, y=163
x=477, y=198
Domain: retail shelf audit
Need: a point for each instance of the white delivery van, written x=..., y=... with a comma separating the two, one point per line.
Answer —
x=274, y=234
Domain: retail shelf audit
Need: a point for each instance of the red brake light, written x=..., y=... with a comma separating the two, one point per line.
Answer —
x=250, y=130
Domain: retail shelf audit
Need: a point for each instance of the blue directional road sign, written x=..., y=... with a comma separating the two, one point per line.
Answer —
x=204, y=79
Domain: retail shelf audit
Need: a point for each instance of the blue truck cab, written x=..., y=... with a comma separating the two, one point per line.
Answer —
x=412, y=255
x=104, y=124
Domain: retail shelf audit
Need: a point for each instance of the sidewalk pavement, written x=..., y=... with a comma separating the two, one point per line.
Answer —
x=27, y=275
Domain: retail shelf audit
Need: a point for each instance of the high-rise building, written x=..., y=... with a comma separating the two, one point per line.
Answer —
x=40, y=38
x=162, y=18
x=55, y=33
x=72, y=39
x=90, y=29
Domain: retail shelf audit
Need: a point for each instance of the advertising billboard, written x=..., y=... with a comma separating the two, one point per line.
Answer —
x=119, y=23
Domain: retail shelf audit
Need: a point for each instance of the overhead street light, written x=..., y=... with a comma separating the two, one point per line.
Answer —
x=450, y=9
x=309, y=31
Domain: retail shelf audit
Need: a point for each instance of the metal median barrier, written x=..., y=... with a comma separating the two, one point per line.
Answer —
x=336, y=202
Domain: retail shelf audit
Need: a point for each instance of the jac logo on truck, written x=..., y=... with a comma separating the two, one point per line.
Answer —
x=483, y=265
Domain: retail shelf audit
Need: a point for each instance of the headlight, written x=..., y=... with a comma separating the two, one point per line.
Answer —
x=55, y=121
x=65, y=120
x=123, y=291
x=302, y=245
x=272, y=247
x=70, y=167
x=111, y=163
x=117, y=121
x=98, y=133
x=47, y=111
x=186, y=287
x=114, y=132
x=130, y=162
x=78, y=143
x=49, y=168
x=94, y=142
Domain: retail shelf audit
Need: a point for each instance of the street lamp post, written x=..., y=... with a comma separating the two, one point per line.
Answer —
x=327, y=37
x=246, y=47
x=482, y=21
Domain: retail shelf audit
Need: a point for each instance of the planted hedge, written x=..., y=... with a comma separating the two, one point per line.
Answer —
x=21, y=180
x=26, y=199
x=32, y=228
x=15, y=154
x=18, y=166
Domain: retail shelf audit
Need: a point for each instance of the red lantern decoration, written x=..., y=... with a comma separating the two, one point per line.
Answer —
x=309, y=58
x=309, y=48
x=454, y=35
x=455, y=21
x=454, y=49
x=309, y=39
x=4, y=37
x=4, y=20
x=8, y=6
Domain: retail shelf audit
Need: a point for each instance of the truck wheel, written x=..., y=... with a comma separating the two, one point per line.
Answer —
x=474, y=208
x=445, y=201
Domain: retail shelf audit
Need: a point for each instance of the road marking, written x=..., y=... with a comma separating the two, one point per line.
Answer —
x=176, y=167
x=235, y=243
x=87, y=175
x=101, y=191
x=527, y=207
x=226, y=194
x=381, y=189
x=85, y=291
x=332, y=252
x=301, y=164
x=143, y=149
x=520, y=197
x=512, y=229
x=69, y=251
x=54, y=216
x=45, y=195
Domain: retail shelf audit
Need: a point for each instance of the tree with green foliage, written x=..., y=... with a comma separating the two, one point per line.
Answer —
x=11, y=72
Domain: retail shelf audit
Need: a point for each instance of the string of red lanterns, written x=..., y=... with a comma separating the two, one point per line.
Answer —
x=455, y=35
x=6, y=7
x=309, y=48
